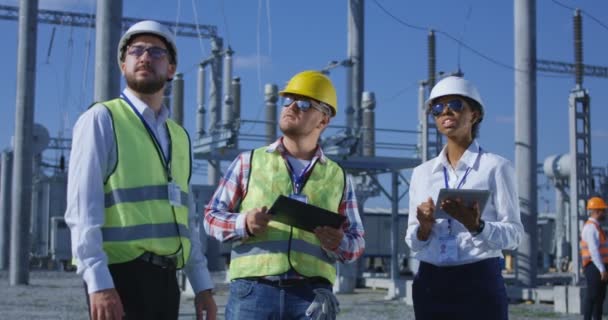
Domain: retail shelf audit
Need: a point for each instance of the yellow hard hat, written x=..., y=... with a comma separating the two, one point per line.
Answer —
x=315, y=85
x=596, y=203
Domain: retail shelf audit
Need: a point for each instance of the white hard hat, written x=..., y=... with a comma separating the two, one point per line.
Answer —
x=453, y=85
x=152, y=27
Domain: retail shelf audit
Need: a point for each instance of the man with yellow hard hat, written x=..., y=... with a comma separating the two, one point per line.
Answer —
x=594, y=253
x=278, y=271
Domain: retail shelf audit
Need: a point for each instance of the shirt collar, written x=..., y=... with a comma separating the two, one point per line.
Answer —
x=278, y=146
x=144, y=109
x=468, y=159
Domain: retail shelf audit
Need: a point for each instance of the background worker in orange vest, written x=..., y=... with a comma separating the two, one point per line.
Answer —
x=594, y=248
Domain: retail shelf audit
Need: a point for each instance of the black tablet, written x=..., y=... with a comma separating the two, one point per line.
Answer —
x=302, y=215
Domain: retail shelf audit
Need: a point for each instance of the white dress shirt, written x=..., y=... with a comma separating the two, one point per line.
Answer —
x=592, y=237
x=503, y=228
x=92, y=160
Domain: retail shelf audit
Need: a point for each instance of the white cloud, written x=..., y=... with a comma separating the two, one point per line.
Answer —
x=252, y=61
x=504, y=119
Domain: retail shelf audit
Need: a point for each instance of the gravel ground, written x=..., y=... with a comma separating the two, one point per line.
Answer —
x=60, y=295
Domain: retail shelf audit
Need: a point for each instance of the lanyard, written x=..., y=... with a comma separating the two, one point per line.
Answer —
x=445, y=178
x=166, y=161
x=299, y=179
x=458, y=186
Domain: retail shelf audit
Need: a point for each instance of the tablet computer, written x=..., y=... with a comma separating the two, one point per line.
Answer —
x=302, y=215
x=468, y=196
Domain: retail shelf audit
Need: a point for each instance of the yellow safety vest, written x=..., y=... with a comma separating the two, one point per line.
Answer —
x=138, y=214
x=283, y=247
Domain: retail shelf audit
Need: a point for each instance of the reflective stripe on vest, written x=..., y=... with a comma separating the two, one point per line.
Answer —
x=282, y=247
x=141, y=194
x=602, y=247
x=138, y=215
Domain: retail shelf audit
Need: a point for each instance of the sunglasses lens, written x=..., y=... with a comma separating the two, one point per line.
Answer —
x=287, y=101
x=437, y=109
x=455, y=105
x=303, y=105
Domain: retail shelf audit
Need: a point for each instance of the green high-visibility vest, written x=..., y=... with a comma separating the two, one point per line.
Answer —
x=283, y=247
x=138, y=214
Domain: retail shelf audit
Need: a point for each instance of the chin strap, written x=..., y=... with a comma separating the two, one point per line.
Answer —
x=325, y=306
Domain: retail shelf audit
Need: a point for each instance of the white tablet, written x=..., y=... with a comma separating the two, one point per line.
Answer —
x=468, y=196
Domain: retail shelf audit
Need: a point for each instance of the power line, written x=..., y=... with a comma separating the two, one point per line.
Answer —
x=598, y=21
x=449, y=36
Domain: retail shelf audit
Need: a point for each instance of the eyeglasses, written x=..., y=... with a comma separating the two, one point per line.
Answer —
x=153, y=52
x=455, y=105
x=303, y=104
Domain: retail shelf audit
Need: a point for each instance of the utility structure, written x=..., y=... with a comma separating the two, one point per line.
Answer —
x=109, y=23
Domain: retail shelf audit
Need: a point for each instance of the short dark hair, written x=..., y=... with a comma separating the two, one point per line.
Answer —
x=167, y=45
x=475, y=106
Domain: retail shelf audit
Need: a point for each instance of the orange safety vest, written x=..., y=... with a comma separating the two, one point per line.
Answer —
x=603, y=246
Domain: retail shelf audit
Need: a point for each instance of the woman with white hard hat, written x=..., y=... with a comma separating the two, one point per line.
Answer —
x=458, y=243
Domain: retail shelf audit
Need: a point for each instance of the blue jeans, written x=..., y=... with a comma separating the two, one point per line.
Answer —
x=252, y=300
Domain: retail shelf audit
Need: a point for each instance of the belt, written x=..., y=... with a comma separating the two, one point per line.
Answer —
x=290, y=283
x=165, y=262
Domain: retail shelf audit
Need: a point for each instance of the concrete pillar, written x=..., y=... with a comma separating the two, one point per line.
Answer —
x=271, y=96
x=6, y=172
x=21, y=198
x=525, y=137
x=200, y=102
x=177, y=107
x=108, y=25
x=369, y=124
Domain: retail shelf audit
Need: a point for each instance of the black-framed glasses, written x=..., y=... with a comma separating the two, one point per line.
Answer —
x=455, y=105
x=153, y=52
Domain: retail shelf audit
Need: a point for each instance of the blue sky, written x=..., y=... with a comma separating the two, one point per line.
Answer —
x=275, y=39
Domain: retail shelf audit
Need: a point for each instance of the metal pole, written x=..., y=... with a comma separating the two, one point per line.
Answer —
x=356, y=57
x=369, y=124
x=108, y=24
x=215, y=103
x=23, y=154
x=236, y=107
x=6, y=170
x=227, y=112
x=200, y=102
x=525, y=136
x=578, y=47
x=271, y=94
x=424, y=123
x=177, y=107
x=437, y=141
x=395, y=232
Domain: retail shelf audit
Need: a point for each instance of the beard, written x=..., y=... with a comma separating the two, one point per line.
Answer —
x=146, y=86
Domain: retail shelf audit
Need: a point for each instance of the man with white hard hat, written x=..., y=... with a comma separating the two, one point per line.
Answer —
x=129, y=208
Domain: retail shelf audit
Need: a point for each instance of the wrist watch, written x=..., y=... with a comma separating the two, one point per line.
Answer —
x=479, y=230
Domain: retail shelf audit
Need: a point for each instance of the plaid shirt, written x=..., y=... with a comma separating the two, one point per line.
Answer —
x=224, y=223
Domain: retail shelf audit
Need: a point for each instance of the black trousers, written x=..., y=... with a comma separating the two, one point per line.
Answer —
x=146, y=291
x=474, y=291
x=596, y=292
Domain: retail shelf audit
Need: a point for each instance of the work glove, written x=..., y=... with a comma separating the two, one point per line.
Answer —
x=325, y=306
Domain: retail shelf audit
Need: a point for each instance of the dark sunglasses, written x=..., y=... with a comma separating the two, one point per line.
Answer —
x=153, y=52
x=455, y=105
x=303, y=105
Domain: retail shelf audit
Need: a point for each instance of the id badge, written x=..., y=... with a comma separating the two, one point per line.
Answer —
x=448, y=249
x=175, y=194
x=300, y=197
